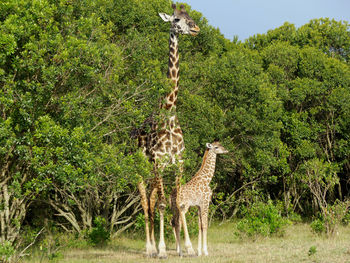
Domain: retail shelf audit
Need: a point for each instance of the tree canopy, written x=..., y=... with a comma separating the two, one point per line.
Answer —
x=77, y=76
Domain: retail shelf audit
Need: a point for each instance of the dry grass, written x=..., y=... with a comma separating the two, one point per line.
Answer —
x=225, y=247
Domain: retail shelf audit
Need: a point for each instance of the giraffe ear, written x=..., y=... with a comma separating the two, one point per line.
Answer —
x=209, y=146
x=165, y=17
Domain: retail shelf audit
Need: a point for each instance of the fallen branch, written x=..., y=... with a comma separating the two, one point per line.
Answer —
x=22, y=253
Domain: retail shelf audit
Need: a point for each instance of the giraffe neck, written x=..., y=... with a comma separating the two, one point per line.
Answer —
x=206, y=172
x=173, y=72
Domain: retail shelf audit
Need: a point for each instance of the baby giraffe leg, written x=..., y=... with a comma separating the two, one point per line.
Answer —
x=200, y=230
x=204, y=216
x=188, y=243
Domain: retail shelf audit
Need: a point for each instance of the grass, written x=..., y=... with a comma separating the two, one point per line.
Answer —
x=224, y=246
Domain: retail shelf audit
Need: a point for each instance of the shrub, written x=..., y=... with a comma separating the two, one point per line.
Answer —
x=262, y=219
x=318, y=226
x=330, y=217
x=99, y=235
x=6, y=251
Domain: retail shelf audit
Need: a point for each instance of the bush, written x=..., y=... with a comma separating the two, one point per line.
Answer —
x=99, y=235
x=262, y=219
x=318, y=226
x=6, y=251
x=331, y=217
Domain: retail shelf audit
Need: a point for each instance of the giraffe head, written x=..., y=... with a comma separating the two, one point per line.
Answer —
x=216, y=147
x=181, y=22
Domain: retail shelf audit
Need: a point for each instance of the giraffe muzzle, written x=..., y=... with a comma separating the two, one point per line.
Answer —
x=194, y=31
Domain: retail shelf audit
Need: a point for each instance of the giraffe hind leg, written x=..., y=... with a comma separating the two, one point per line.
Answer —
x=162, y=205
x=176, y=222
x=188, y=243
x=200, y=232
x=204, y=217
x=152, y=203
x=145, y=206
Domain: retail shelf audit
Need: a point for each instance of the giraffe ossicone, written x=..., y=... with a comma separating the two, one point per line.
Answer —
x=196, y=192
x=164, y=143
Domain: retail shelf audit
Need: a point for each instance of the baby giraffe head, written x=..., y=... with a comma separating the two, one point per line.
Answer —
x=216, y=147
x=181, y=22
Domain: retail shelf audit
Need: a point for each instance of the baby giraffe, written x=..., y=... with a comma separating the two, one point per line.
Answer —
x=196, y=192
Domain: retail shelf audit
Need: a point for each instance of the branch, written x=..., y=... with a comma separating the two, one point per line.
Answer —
x=21, y=254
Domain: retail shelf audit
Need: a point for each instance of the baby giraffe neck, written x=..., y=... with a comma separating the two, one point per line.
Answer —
x=207, y=169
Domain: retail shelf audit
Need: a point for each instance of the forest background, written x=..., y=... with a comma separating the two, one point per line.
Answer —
x=77, y=76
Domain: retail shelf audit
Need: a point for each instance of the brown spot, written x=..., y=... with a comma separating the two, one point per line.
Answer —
x=161, y=133
x=158, y=145
x=167, y=106
x=172, y=124
x=176, y=138
x=172, y=50
x=175, y=92
x=178, y=73
x=167, y=136
x=172, y=58
x=174, y=150
x=171, y=97
x=170, y=64
x=177, y=64
x=178, y=131
x=174, y=73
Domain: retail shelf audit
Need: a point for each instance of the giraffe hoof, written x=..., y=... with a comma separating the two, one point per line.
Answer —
x=191, y=253
x=162, y=256
x=152, y=255
x=151, y=252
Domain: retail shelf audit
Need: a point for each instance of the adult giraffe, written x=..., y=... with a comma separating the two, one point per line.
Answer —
x=164, y=143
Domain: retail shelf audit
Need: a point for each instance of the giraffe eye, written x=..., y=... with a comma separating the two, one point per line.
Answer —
x=176, y=20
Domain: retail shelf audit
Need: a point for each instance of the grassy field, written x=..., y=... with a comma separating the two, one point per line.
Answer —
x=224, y=246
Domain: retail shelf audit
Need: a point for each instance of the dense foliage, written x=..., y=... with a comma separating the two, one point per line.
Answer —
x=77, y=76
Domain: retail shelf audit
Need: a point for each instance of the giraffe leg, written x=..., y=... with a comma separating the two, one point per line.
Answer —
x=178, y=231
x=175, y=222
x=162, y=205
x=145, y=207
x=176, y=211
x=204, y=216
x=152, y=203
x=188, y=243
x=200, y=231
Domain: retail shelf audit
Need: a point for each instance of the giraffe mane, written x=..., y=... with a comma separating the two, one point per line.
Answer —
x=204, y=159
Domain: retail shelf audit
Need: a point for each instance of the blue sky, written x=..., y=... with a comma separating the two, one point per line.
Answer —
x=246, y=18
